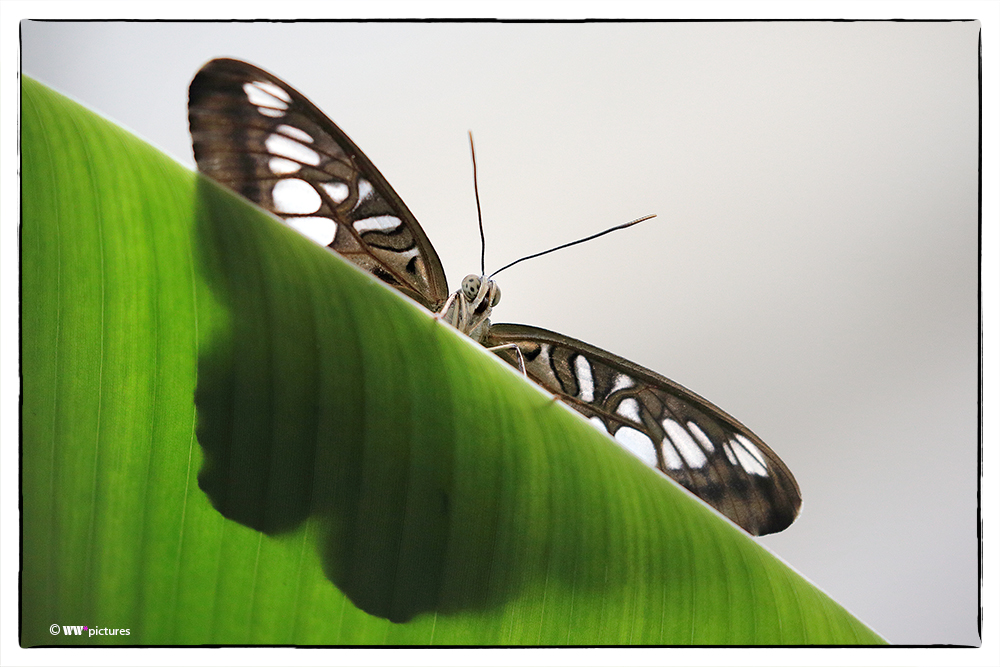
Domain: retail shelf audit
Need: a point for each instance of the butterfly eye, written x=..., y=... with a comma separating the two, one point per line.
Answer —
x=495, y=296
x=470, y=286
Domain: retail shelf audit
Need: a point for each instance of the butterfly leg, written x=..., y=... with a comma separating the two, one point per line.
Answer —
x=517, y=351
x=443, y=313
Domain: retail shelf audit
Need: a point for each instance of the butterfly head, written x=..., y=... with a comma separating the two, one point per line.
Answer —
x=468, y=309
x=479, y=293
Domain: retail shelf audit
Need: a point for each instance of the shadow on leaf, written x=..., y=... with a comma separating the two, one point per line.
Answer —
x=296, y=423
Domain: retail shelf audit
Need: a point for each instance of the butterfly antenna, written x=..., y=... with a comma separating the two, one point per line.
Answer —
x=571, y=243
x=479, y=211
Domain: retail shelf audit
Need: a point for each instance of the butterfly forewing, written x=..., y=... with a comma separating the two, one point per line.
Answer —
x=672, y=429
x=260, y=137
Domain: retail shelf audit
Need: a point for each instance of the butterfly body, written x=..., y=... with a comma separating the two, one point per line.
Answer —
x=260, y=137
x=469, y=308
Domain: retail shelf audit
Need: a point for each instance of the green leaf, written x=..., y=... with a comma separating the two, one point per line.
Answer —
x=232, y=436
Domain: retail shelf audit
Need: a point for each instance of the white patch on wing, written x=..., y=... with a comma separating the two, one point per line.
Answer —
x=749, y=456
x=282, y=146
x=279, y=166
x=265, y=92
x=336, y=191
x=270, y=100
x=365, y=189
x=544, y=355
x=293, y=195
x=629, y=408
x=685, y=444
x=728, y=449
x=700, y=436
x=319, y=229
x=599, y=423
x=671, y=457
x=382, y=223
x=584, y=378
x=295, y=133
x=638, y=443
x=622, y=382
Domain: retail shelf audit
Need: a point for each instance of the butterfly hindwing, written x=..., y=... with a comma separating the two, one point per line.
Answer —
x=260, y=137
x=674, y=430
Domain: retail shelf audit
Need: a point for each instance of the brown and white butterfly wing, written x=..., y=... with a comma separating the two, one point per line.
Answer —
x=261, y=138
x=672, y=429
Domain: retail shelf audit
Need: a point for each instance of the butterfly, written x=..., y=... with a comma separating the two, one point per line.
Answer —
x=263, y=139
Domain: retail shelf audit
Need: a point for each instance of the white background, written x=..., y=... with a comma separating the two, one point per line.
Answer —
x=813, y=269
